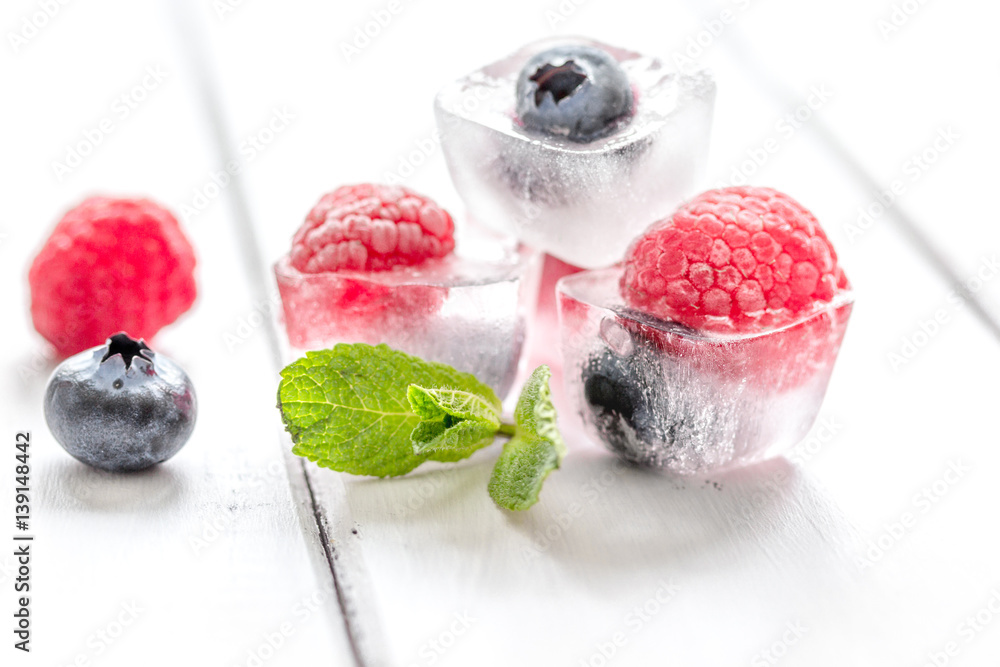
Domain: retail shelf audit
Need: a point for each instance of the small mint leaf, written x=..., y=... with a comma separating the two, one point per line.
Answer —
x=435, y=404
x=452, y=442
x=423, y=404
x=347, y=408
x=455, y=422
x=520, y=471
x=536, y=449
x=425, y=434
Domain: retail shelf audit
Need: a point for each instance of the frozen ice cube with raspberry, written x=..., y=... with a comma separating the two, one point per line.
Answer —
x=383, y=264
x=575, y=146
x=713, y=344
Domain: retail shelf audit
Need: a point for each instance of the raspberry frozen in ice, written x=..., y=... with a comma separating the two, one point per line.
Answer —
x=111, y=265
x=371, y=227
x=378, y=264
x=735, y=260
x=713, y=344
x=360, y=230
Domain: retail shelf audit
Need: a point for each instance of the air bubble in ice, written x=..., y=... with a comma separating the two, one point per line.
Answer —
x=617, y=338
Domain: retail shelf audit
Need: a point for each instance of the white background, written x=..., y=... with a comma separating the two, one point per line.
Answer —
x=222, y=549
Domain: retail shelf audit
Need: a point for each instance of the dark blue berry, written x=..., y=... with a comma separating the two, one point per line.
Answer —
x=573, y=91
x=120, y=406
x=626, y=401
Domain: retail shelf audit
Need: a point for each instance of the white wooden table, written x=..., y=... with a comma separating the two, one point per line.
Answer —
x=873, y=543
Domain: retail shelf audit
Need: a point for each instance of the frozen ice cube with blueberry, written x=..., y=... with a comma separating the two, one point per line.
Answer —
x=666, y=396
x=712, y=346
x=575, y=146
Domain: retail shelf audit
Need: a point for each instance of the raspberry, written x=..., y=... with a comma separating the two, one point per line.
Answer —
x=735, y=260
x=111, y=265
x=371, y=228
x=361, y=228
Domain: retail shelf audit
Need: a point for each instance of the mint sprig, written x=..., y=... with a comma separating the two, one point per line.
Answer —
x=376, y=411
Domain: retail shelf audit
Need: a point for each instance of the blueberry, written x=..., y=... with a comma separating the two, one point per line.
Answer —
x=578, y=92
x=120, y=406
x=626, y=401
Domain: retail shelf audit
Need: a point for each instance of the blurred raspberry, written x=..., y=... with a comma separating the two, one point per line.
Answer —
x=111, y=265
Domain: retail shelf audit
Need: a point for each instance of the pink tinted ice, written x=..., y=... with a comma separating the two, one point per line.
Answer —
x=468, y=310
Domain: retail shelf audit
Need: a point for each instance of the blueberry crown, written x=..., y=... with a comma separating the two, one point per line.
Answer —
x=559, y=80
x=127, y=347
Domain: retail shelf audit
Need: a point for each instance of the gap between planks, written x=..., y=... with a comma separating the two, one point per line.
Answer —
x=360, y=623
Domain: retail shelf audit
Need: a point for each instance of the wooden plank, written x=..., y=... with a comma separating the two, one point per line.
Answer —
x=215, y=552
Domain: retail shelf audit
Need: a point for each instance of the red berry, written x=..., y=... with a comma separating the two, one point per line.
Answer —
x=735, y=260
x=362, y=228
x=111, y=265
x=371, y=228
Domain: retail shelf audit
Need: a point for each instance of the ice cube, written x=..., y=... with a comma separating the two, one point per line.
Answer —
x=582, y=203
x=467, y=310
x=665, y=396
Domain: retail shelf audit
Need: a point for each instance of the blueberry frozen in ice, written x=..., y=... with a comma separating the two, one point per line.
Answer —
x=580, y=193
x=624, y=397
x=574, y=91
x=689, y=401
x=120, y=406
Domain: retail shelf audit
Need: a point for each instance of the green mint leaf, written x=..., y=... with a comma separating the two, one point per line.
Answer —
x=436, y=404
x=348, y=408
x=452, y=442
x=455, y=422
x=536, y=449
